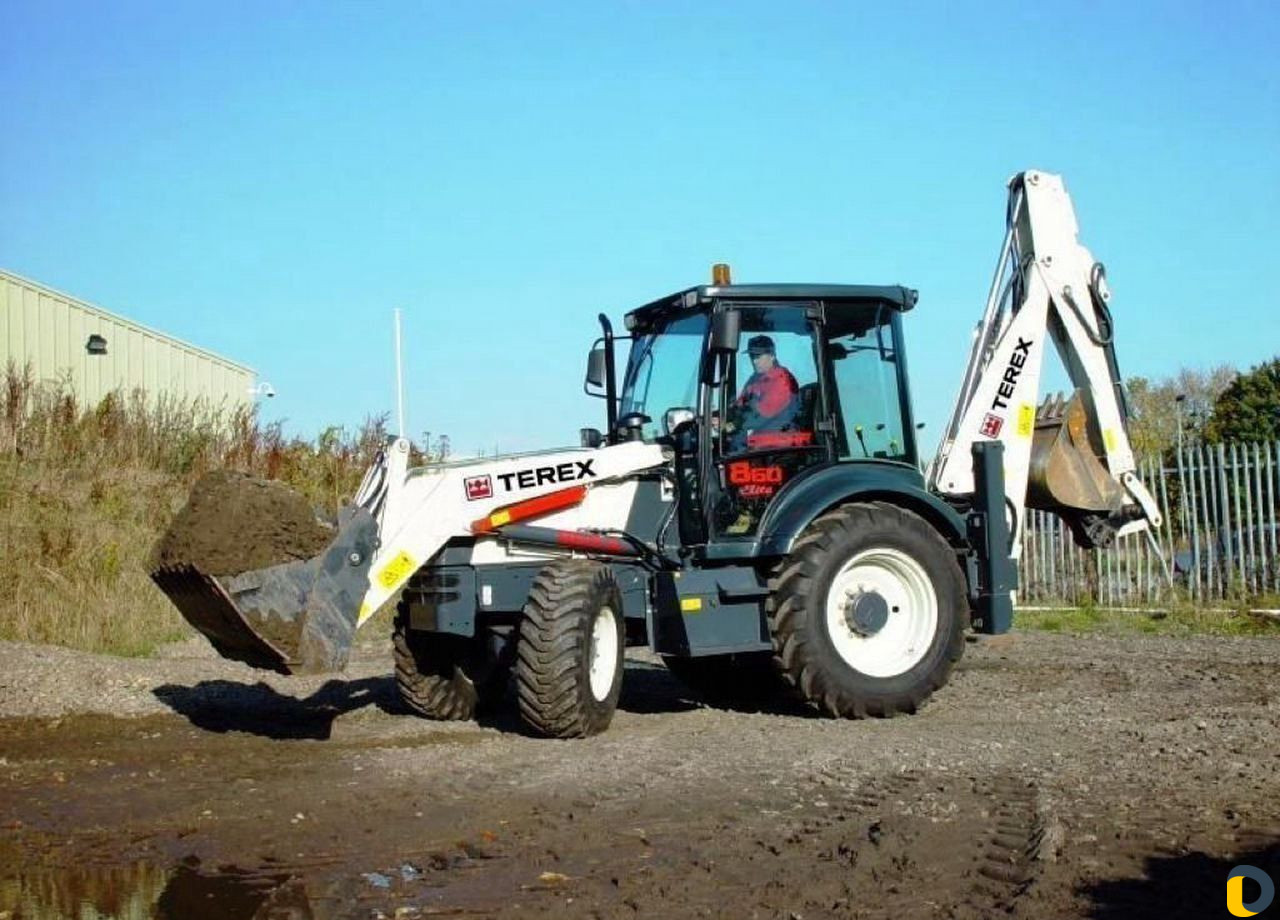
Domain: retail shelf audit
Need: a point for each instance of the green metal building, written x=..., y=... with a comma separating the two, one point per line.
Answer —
x=61, y=337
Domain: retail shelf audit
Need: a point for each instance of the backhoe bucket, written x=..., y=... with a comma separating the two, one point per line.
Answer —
x=1066, y=475
x=293, y=617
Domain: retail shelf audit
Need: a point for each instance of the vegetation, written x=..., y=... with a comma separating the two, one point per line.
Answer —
x=1176, y=620
x=1188, y=397
x=1248, y=410
x=86, y=491
x=1221, y=405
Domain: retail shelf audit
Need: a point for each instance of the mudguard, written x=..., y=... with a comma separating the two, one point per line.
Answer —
x=808, y=496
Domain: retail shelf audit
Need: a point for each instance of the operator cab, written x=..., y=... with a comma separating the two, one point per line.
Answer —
x=755, y=386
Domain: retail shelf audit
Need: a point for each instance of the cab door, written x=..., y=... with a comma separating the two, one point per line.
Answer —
x=768, y=415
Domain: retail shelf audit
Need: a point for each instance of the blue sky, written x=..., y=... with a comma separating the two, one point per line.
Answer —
x=269, y=180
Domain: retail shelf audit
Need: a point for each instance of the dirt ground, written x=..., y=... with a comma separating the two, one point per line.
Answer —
x=1054, y=777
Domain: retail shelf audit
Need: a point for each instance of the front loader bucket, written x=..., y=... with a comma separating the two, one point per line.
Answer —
x=296, y=617
x=1066, y=475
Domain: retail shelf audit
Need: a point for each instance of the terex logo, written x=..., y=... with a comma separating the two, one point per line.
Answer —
x=1012, y=372
x=571, y=471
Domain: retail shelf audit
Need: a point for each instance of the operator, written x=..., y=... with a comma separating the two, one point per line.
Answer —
x=770, y=398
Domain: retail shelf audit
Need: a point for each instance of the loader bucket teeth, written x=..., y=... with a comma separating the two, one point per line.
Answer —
x=1066, y=475
x=294, y=618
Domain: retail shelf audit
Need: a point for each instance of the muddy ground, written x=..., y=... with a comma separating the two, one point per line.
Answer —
x=1054, y=777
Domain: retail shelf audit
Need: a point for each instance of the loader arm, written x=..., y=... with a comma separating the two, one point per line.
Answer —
x=1070, y=457
x=300, y=616
x=418, y=511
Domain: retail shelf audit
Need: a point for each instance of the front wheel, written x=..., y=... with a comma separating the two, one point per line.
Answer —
x=570, y=653
x=868, y=613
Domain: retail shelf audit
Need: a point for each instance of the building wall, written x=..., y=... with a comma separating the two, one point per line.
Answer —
x=50, y=331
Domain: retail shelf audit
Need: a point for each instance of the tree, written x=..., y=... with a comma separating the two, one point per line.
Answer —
x=1157, y=409
x=1249, y=409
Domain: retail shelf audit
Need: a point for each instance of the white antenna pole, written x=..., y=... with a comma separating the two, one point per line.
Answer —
x=399, y=378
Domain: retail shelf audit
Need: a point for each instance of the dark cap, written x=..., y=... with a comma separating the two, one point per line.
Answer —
x=760, y=345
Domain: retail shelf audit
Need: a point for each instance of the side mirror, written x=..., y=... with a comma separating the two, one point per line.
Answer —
x=726, y=328
x=596, y=372
x=590, y=437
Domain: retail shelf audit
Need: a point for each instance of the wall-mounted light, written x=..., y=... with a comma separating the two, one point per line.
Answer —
x=262, y=389
x=96, y=345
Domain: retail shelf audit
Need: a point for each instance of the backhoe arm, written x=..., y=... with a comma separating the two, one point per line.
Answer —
x=1070, y=457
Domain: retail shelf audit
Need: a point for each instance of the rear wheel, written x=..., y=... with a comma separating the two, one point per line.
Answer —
x=443, y=676
x=570, y=652
x=869, y=611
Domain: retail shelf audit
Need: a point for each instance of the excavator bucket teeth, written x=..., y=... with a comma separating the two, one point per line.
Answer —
x=296, y=617
x=1066, y=473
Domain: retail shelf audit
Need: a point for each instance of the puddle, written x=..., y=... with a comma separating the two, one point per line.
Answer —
x=145, y=892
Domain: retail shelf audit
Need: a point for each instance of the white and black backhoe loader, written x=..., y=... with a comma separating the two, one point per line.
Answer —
x=754, y=507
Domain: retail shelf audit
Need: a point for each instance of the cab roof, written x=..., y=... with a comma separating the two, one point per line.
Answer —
x=894, y=296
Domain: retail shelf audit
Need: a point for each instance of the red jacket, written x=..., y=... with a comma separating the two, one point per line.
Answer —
x=770, y=392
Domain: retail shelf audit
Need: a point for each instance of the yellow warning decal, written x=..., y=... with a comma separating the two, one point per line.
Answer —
x=397, y=570
x=1109, y=438
x=1026, y=420
x=690, y=604
x=502, y=517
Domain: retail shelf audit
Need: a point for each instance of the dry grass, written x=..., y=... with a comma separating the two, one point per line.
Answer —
x=85, y=492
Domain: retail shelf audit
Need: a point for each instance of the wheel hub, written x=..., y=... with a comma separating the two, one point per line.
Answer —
x=881, y=612
x=866, y=612
x=604, y=653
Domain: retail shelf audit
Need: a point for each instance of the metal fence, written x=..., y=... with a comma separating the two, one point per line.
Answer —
x=1219, y=537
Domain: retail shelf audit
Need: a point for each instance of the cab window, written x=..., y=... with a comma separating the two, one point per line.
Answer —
x=863, y=350
x=662, y=372
x=770, y=397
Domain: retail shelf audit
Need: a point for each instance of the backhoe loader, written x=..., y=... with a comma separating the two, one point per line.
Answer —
x=754, y=508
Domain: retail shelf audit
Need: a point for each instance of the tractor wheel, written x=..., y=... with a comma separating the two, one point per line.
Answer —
x=868, y=612
x=443, y=676
x=746, y=680
x=569, y=655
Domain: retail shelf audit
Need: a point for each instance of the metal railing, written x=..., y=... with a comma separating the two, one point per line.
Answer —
x=1220, y=535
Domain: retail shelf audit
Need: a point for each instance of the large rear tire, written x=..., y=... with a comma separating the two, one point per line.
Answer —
x=868, y=612
x=445, y=677
x=570, y=653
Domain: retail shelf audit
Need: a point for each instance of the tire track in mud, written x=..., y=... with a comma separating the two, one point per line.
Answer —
x=950, y=845
x=1010, y=857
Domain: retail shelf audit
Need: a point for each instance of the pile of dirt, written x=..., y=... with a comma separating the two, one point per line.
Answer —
x=233, y=522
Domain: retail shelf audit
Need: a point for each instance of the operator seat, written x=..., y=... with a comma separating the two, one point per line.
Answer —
x=807, y=400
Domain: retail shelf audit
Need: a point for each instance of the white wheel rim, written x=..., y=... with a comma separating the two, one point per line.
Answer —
x=604, y=652
x=910, y=608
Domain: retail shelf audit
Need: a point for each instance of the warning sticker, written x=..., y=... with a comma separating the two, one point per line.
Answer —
x=1026, y=420
x=397, y=570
